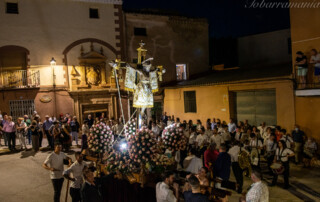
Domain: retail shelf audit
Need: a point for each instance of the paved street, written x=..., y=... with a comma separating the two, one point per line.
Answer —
x=23, y=179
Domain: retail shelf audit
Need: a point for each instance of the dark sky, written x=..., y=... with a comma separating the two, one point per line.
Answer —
x=227, y=18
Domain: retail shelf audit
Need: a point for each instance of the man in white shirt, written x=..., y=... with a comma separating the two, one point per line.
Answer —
x=219, y=127
x=76, y=181
x=288, y=140
x=192, y=137
x=216, y=138
x=255, y=142
x=234, y=152
x=258, y=191
x=213, y=124
x=192, y=163
x=208, y=132
x=163, y=192
x=270, y=145
x=54, y=163
x=226, y=135
x=201, y=139
x=232, y=127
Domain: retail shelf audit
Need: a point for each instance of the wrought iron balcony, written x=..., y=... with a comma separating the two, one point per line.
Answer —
x=20, y=79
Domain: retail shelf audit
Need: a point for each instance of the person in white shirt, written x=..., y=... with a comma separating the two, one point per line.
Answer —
x=219, y=127
x=21, y=132
x=315, y=59
x=213, y=123
x=178, y=123
x=192, y=163
x=258, y=191
x=77, y=180
x=186, y=132
x=199, y=125
x=282, y=156
x=239, y=134
x=286, y=137
x=163, y=191
x=202, y=138
x=169, y=122
x=54, y=163
x=270, y=146
x=226, y=135
x=256, y=132
x=255, y=143
x=192, y=137
x=267, y=134
x=155, y=129
x=216, y=138
x=208, y=132
x=234, y=152
x=263, y=130
x=232, y=128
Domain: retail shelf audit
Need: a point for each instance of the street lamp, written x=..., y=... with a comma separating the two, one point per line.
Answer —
x=53, y=64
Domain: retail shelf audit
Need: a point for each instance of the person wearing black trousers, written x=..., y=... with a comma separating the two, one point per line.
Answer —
x=237, y=171
x=282, y=155
x=270, y=145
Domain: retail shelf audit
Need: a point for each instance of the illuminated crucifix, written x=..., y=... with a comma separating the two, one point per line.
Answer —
x=142, y=80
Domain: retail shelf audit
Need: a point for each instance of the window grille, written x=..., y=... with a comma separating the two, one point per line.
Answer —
x=19, y=108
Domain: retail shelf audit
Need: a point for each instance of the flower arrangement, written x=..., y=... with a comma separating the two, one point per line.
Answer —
x=141, y=148
x=118, y=161
x=174, y=138
x=130, y=128
x=100, y=138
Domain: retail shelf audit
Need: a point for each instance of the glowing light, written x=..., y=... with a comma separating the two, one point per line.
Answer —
x=123, y=146
x=52, y=61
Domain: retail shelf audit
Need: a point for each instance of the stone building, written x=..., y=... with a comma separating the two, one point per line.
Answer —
x=83, y=36
x=179, y=44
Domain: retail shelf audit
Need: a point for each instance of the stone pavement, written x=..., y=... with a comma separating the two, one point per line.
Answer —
x=23, y=179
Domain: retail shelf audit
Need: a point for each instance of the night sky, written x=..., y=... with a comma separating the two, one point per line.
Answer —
x=227, y=18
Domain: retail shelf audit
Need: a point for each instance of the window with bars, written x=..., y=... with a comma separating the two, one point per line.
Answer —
x=19, y=108
x=190, y=104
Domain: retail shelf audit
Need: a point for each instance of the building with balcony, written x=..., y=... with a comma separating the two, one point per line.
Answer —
x=305, y=35
x=263, y=87
x=81, y=35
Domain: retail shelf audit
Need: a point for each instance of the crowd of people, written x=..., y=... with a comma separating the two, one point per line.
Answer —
x=214, y=149
x=32, y=130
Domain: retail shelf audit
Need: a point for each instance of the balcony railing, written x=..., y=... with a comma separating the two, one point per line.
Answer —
x=20, y=79
x=310, y=81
